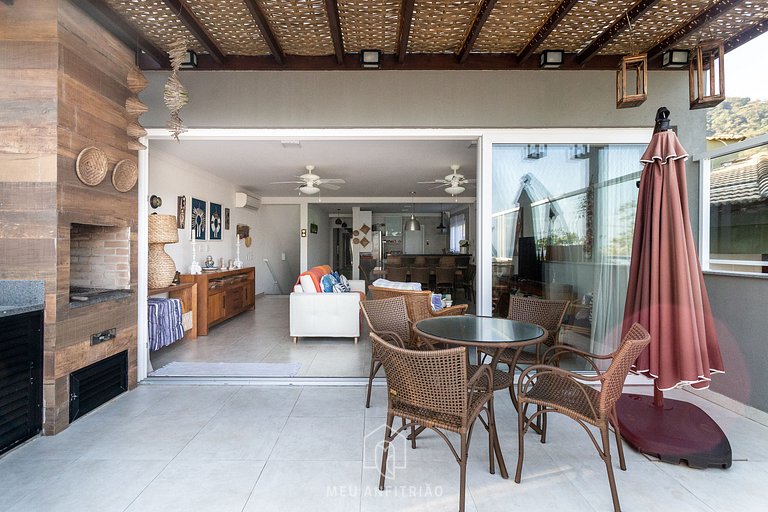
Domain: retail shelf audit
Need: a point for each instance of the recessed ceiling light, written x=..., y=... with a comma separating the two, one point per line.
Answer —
x=289, y=144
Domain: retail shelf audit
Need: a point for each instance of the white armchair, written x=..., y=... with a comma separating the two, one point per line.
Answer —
x=326, y=315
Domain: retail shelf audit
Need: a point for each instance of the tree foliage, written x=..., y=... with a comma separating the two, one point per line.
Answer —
x=737, y=118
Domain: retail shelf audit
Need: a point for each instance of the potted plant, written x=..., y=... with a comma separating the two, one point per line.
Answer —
x=464, y=246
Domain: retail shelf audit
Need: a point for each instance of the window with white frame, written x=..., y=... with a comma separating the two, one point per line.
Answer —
x=457, y=231
x=734, y=216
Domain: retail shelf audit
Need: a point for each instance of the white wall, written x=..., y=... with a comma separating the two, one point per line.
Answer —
x=277, y=228
x=170, y=177
x=318, y=244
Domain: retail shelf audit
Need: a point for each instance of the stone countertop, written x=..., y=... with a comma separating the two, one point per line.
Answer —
x=17, y=297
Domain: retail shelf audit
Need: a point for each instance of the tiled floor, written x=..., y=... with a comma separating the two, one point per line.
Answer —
x=253, y=448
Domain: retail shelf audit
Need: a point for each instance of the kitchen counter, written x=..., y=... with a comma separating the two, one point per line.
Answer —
x=17, y=297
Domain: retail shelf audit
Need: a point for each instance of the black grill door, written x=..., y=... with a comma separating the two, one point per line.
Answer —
x=97, y=384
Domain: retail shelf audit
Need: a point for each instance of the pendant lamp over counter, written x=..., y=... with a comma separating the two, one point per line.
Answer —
x=441, y=229
x=412, y=224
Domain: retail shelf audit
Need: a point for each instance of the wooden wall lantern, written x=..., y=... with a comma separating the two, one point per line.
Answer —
x=637, y=64
x=706, y=74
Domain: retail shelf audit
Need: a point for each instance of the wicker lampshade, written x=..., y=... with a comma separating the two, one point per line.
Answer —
x=162, y=229
x=161, y=268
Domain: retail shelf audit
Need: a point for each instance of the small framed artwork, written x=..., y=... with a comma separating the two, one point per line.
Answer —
x=199, y=225
x=226, y=218
x=313, y=228
x=215, y=222
x=181, y=212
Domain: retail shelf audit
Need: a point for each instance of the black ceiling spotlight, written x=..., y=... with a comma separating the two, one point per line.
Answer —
x=673, y=59
x=338, y=221
x=551, y=59
x=190, y=60
x=370, y=59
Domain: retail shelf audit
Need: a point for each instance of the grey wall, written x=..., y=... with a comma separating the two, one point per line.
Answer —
x=277, y=232
x=486, y=99
x=318, y=244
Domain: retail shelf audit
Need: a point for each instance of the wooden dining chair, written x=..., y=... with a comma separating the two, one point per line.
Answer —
x=388, y=319
x=552, y=389
x=444, y=279
x=433, y=389
x=399, y=274
x=420, y=275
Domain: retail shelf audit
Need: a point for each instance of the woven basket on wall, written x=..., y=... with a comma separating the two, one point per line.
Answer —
x=125, y=175
x=91, y=166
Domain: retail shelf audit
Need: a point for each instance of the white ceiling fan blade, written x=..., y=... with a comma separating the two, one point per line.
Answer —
x=284, y=182
x=433, y=181
x=468, y=181
x=331, y=180
x=329, y=186
x=440, y=186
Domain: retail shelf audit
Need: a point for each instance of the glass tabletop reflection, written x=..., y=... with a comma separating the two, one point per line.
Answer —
x=480, y=330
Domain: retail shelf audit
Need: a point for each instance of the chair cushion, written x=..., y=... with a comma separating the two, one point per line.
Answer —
x=315, y=274
x=307, y=284
x=327, y=282
x=397, y=285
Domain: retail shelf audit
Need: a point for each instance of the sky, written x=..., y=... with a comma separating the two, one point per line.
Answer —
x=746, y=73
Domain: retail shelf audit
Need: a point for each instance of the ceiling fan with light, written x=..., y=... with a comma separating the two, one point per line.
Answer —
x=311, y=183
x=453, y=183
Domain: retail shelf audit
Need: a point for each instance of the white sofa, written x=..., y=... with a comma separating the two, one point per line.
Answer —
x=326, y=315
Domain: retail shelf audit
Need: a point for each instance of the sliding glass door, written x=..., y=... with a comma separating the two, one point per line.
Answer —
x=561, y=224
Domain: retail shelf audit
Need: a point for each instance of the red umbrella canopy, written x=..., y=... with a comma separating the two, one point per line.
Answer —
x=666, y=292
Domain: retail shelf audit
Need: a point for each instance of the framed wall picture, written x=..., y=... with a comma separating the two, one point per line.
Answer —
x=313, y=228
x=226, y=218
x=215, y=222
x=181, y=212
x=199, y=224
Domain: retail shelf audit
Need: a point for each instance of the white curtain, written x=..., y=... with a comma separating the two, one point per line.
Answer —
x=615, y=201
x=456, y=231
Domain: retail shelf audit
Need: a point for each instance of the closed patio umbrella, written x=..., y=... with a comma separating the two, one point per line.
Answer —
x=667, y=296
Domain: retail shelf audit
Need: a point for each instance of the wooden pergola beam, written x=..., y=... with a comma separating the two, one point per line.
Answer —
x=404, y=30
x=197, y=29
x=115, y=24
x=477, y=25
x=746, y=35
x=692, y=25
x=549, y=25
x=266, y=31
x=334, y=23
x=618, y=26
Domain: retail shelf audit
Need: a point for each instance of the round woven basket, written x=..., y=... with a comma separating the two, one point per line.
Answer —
x=91, y=166
x=125, y=175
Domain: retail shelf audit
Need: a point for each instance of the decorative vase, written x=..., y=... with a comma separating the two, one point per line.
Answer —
x=160, y=266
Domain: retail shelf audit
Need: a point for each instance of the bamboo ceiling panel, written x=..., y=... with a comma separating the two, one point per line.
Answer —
x=369, y=24
x=511, y=25
x=157, y=22
x=655, y=24
x=729, y=24
x=585, y=21
x=440, y=26
x=301, y=26
x=231, y=25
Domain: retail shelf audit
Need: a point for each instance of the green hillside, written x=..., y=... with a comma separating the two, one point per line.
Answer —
x=738, y=117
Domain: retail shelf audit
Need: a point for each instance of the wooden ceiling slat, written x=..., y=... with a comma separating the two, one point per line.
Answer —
x=549, y=25
x=694, y=24
x=335, y=25
x=266, y=31
x=746, y=35
x=404, y=31
x=618, y=26
x=190, y=21
x=477, y=25
x=124, y=31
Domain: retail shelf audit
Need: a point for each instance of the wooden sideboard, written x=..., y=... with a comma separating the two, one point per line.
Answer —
x=222, y=295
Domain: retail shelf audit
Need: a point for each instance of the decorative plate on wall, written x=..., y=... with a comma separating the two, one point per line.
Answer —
x=365, y=229
x=364, y=242
x=355, y=241
x=125, y=175
x=91, y=166
x=356, y=233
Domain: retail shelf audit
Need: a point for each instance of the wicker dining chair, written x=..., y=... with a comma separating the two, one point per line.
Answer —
x=388, y=319
x=399, y=274
x=445, y=278
x=420, y=275
x=432, y=389
x=552, y=389
x=419, y=303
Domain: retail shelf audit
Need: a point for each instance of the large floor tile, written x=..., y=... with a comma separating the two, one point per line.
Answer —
x=254, y=401
x=312, y=438
x=200, y=486
x=235, y=438
x=330, y=402
x=21, y=477
x=93, y=485
x=317, y=486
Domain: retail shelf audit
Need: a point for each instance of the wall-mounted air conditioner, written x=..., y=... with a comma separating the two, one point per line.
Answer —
x=243, y=200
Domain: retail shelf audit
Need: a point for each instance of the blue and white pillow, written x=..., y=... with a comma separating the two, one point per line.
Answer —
x=327, y=283
x=437, y=302
x=344, y=283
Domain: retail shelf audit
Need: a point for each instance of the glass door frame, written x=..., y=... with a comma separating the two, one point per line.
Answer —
x=483, y=256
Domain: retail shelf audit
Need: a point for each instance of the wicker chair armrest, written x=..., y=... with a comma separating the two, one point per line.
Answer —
x=553, y=354
x=534, y=372
x=391, y=337
x=456, y=310
x=483, y=371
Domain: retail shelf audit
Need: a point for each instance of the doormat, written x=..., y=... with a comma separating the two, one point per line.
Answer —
x=186, y=369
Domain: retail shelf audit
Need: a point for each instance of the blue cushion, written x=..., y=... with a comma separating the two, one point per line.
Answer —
x=437, y=302
x=327, y=282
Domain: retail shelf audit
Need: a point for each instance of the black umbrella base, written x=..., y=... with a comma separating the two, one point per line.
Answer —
x=678, y=432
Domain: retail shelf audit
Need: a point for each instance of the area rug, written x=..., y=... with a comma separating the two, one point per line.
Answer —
x=185, y=369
